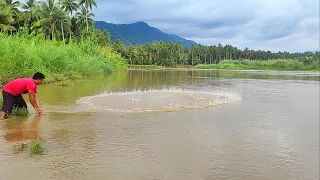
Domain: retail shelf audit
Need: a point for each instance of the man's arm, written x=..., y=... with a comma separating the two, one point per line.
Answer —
x=36, y=99
x=33, y=101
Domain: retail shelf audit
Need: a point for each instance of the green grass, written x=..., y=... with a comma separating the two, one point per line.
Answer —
x=158, y=67
x=23, y=55
x=146, y=66
x=285, y=65
x=20, y=112
x=36, y=147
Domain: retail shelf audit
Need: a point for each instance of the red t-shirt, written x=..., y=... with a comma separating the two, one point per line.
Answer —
x=20, y=86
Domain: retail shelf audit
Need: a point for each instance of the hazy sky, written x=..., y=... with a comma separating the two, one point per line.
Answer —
x=285, y=25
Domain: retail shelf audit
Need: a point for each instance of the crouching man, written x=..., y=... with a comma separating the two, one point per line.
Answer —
x=12, y=94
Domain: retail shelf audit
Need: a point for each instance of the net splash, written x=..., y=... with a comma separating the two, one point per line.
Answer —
x=155, y=100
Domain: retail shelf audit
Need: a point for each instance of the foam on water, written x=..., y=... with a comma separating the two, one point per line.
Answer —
x=155, y=100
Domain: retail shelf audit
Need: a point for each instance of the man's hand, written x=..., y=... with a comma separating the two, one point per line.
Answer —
x=40, y=111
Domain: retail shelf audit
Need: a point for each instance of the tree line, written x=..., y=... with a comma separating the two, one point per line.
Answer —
x=72, y=21
x=171, y=54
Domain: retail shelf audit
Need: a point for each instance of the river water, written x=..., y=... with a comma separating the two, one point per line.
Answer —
x=171, y=124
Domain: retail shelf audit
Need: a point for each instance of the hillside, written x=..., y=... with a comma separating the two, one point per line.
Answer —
x=139, y=33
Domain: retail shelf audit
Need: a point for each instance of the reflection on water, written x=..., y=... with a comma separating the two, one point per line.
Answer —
x=21, y=128
x=272, y=133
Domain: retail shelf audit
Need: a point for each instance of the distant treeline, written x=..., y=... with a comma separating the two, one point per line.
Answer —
x=170, y=54
x=279, y=65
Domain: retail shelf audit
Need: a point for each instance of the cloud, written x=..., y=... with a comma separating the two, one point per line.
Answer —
x=276, y=25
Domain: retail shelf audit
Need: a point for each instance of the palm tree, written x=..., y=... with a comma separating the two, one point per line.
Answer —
x=88, y=4
x=31, y=14
x=52, y=16
x=14, y=5
x=64, y=23
x=69, y=6
x=5, y=17
x=84, y=18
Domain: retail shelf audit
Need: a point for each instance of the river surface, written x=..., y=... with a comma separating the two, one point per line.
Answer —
x=171, y=125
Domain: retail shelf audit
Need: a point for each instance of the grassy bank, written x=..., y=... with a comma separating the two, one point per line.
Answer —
x=145, y=67
x=182, y=66
x=159, y=67
x=284, y=65
x=22, y=56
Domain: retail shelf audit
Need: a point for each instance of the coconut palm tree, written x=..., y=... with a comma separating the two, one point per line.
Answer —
x=14, y=5
x=63, y=24
x=52, y=16
x=69, y=5
x=88, y=4
x=31, y=10
x=6, y=18
x=84, y=18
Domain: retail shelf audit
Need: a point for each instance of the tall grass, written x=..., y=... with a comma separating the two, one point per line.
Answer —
x=288, y=65
x=23, y=55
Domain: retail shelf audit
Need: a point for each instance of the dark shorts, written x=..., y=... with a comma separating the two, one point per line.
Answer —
x=10, y=101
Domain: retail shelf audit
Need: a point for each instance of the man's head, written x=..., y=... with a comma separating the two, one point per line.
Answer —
x=38, y=78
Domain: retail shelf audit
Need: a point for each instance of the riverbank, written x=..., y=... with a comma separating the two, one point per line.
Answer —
x=159, y=67
x=23, y=56
x=278, y=65
x=145, y=67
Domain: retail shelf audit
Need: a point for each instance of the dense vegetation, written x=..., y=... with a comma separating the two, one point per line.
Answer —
x=172, y=54
x=21, y=56
x=290, y=65
x=44, y=36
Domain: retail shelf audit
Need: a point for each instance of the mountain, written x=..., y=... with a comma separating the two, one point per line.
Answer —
x=139, y=33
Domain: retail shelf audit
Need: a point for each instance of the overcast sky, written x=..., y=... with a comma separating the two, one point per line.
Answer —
x=276, y=25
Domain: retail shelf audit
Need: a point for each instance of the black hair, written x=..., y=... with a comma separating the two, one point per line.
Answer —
x=38, y=75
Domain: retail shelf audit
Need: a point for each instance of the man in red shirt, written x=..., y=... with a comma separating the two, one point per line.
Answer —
x=12, y=94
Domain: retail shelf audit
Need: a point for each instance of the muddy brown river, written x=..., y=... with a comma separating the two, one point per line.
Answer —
x=171, y=125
